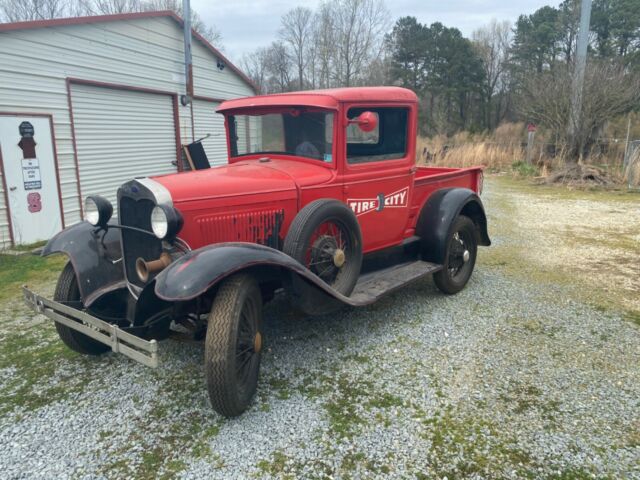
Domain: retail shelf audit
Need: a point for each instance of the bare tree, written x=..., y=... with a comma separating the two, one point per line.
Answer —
x=609, y=90
x=492, y=45
x=211, y=33
x=324, y=44
x=107, y=7
x=24, y=10
x=255, y=65
x=295, y=31
x=359, y=28
x=278, y=64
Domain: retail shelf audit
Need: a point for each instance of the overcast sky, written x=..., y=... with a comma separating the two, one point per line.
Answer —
x=249, y=24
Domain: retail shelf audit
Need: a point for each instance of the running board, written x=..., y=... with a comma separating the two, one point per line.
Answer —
x=373, y=285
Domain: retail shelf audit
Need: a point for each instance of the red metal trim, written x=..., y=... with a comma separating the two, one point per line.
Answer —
x=193, y=125
x=119, y=86
x=55, y=162
x=6, y=27
x=176, y=123
x=56, y=166
x=6, y=200
x=131, y=88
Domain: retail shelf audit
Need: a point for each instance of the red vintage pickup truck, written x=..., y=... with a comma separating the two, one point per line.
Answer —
x=321, y=198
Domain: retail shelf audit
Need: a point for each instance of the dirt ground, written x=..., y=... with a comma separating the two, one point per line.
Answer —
x=588, y=240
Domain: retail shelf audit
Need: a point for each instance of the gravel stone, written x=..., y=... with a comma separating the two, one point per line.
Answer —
x=510, y=378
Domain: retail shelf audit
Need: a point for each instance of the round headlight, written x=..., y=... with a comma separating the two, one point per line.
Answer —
x=159, y=222
x=97, y=210
x=166, y=222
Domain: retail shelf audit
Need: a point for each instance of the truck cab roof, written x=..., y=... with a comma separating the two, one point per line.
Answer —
x=329, y=98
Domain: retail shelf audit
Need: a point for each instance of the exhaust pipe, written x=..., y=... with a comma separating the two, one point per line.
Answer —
x=144, y=269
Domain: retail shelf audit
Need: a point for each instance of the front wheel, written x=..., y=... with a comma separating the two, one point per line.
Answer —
x=233, y=345
x=68, y=293
x=460, y=256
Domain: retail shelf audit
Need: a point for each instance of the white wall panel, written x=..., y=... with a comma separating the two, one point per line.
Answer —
x=207, y=121
x=121, y=135
x=142, y=52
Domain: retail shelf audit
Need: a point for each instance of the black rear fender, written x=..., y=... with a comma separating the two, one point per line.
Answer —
x=438, y=214
x=96, y=257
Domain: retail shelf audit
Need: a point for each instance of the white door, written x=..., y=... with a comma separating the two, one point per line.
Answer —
x=29, y=165
x=120, y=135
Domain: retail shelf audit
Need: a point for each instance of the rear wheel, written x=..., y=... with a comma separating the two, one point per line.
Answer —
x=233, y=345
x=68, y=293
x=460, y=256
x=325, y=237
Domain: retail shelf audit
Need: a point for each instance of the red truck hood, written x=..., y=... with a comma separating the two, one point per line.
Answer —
x=243, y=178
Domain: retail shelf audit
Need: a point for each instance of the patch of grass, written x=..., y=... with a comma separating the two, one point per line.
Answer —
x=633, y=317
x=598, y=194
x=182, y=429
x=274, y=466
x=464, y=447
x=280, y=385
x=29, y=247
x=526, y=398
x=34, y=357
x=576, y=473
x=18, y=270
x=524, y=169
x=342, y=408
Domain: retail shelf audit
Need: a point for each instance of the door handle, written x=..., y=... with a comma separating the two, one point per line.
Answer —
x=12, y=189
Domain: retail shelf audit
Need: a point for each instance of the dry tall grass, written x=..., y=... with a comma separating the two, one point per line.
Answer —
x=505, y=147
x=496, y=151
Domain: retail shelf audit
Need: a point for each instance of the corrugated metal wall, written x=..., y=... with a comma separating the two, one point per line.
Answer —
x=207, y=121
x=145, y=52
x=121, y=135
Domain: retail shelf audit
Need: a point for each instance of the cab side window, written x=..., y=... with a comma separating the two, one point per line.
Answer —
x=388, y=141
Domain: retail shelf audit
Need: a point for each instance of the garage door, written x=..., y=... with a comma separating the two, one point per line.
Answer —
x=121, y=134
x=207, y=122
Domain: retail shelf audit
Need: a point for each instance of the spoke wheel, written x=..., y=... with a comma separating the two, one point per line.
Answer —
x=233, y=345
x=461, y=251
x=325, y=237
x=329, y=251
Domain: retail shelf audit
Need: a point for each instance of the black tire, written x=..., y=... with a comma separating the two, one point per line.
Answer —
x=233, y=345
x=318, y=234
x=456, y=270
x=68, y=292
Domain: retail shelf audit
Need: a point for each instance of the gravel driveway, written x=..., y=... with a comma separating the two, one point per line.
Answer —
x=521, y=375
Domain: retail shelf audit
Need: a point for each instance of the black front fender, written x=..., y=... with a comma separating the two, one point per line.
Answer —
x=96, y=257
x=438, y=214
x=196, y=272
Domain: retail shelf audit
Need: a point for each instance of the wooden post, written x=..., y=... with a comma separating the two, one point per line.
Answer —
x=531, y=128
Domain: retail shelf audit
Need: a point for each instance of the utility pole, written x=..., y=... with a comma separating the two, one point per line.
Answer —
x=188, y=62
x=578, y=74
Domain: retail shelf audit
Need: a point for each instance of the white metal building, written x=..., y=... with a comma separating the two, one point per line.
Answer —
x=88, y=103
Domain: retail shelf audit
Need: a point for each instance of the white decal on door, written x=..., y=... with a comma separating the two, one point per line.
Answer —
x=397, y=199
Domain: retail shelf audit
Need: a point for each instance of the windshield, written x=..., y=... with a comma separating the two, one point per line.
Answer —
x=293, y=131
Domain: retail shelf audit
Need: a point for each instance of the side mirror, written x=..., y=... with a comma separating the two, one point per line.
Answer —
x=366, y=121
